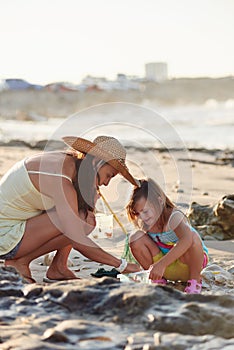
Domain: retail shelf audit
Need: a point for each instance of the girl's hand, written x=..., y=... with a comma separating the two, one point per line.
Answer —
x=131, y=267
x=157, y=271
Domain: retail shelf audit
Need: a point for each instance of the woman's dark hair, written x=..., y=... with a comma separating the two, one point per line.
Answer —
x=84, y=184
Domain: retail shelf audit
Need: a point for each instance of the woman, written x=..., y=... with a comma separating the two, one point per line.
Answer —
x=47, y=203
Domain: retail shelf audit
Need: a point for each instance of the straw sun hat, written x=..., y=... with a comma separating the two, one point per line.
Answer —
x=106, y=148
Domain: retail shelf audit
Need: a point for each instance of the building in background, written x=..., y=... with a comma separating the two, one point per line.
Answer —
x=122, y=82
x=17, y=84
x=156, y=71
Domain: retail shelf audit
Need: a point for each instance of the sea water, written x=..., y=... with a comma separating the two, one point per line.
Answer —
x=210, y=125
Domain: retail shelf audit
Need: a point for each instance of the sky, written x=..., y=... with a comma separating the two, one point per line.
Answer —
x=65, y=40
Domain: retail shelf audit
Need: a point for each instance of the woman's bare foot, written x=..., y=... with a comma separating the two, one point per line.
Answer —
x=22, y=268
x=55, y=272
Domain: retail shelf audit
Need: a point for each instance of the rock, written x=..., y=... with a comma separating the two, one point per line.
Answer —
x=140, y=340
x=54, y=336
x=185, y=342
x=10, y=282
x=216, y=221
x=194, y=318
x=105, y=314
x=214, y=273
x=231, y=270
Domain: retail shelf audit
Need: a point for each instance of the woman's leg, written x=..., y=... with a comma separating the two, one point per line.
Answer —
x=58, y=268
x=143, y=248
x=43, y=235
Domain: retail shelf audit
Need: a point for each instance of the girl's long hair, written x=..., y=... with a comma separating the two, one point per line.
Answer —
x=150, y=191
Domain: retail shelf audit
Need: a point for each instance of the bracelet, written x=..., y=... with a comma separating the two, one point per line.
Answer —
x=122, y=266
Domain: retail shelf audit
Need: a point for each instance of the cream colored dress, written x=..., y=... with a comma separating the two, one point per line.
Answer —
x=19, y=201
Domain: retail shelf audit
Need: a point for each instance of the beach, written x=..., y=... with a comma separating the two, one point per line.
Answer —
x=159, y=77
x=90, y=312
x=180, y=148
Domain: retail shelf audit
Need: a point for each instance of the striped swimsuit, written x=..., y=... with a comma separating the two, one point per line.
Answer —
x=167, y=240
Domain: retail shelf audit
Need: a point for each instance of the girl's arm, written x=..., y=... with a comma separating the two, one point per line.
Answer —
x=185, y=240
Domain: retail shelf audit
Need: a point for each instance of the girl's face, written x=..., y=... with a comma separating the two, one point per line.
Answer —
x=146, y=212
x=105, y=174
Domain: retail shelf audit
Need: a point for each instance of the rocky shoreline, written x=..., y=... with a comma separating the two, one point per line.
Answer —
x=213, y=156
x=106, y=314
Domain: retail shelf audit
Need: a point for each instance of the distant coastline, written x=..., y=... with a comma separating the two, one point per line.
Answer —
x=25, y=104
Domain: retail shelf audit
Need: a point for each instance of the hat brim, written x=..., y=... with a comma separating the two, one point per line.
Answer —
x=86, y=146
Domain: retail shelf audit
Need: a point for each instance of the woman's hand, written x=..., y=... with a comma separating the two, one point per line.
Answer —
x=131, y=267
x=157, y=270
x=91, y=221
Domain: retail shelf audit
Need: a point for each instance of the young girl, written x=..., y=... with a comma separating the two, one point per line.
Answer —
x=167, y=244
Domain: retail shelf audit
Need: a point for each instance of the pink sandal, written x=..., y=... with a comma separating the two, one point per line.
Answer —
x=193, y=287
x=161, y=281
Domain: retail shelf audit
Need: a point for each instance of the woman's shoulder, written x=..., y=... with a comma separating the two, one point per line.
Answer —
x=57, y=162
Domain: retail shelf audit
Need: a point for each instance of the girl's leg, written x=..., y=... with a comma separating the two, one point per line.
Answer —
x=194, y=258
x=143, y=249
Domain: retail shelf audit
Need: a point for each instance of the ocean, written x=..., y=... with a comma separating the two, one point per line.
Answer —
x=209, y=126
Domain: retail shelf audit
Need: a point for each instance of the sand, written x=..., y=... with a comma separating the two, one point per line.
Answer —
x=209, y=184
x=104, y=313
